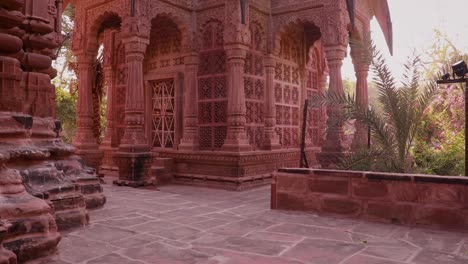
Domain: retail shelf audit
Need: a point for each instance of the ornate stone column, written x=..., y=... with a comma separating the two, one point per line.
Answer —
x=271, y=138
x=236, y=138
x=84, y=140
x=362, y=99
x=332, y=149
x=189, y=140
x=106, y=144
x=335, y=56
x=134, y=156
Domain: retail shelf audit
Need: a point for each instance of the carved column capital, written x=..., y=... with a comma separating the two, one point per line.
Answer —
x=191, y=59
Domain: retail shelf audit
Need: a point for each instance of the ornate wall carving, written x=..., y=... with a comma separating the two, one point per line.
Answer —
x=212, y=88
x=254, y=85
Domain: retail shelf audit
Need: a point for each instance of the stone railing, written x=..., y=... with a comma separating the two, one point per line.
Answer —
x=399, y=198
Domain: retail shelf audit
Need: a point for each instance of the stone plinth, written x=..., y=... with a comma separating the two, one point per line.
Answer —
x=397, y=198
x=231, y=171
x=134, y=169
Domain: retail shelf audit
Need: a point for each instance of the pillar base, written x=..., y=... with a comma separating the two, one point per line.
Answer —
x=237, y=146
x=134, y=169
x=271, y=143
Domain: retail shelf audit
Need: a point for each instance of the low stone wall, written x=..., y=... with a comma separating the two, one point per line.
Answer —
x=398, y=198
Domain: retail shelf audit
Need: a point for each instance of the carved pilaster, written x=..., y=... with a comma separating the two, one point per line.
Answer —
x=361, y=68
x=108, y=86
x=271, y=138
x=332, y=150
x=84, y=140
x=335, y=56
x=236, y=138
x=189, y=140
x=134, y=157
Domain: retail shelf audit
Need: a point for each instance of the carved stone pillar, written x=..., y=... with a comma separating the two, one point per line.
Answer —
x=108, y=86
x=271, y=138
x=332, y=149
x=84, y=140
x=106, y=144
x=189, y=140
x=362, y=99
x=134, y=156
x=335, y=56
x=236, y=138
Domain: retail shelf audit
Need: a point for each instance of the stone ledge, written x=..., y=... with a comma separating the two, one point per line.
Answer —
x=410, y=199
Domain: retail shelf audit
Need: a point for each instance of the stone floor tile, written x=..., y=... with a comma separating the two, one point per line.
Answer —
x=138, y=240
x=153, y=226
x=113, y=259
x=177, y=233
x=435, y=257
x=109, y=212
x=164, y=254
x=76, y=249
x=436, y=240
x=311, y=232
x=126, y=220
x=49, y=260
x=375, y=229
x=393, y=253
x=213, y=223
x=319, y=251
x=241, y=244
x=191, y=220
x=220, y=256
x=225, y=216
x=360, y=259
x=274, y=236
x=242, y=227
x=103, y=233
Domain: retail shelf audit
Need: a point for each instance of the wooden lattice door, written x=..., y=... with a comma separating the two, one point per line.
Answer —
x=163, y=116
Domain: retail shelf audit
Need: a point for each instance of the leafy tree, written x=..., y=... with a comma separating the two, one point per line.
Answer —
x=439, y=148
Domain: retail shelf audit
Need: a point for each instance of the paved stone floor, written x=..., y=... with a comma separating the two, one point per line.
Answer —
x=182, y=224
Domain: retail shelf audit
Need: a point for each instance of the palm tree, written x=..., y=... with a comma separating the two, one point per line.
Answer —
x=393, y=129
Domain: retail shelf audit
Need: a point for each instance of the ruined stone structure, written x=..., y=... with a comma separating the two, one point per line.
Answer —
x=43, y=187
x=214, y=89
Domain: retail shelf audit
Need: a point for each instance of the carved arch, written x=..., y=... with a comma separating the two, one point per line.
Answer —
x=180, y=17
x=287, y=25
x=108, y=19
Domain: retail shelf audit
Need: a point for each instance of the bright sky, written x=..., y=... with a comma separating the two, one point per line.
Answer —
x=414, y=22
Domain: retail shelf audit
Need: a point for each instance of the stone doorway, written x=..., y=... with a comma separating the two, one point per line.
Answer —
x=163, y=113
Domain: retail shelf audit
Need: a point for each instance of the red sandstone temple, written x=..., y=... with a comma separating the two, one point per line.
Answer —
x=212, y=92
x=203, y=92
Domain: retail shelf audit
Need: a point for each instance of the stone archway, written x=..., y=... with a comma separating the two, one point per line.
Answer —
x=93, y=81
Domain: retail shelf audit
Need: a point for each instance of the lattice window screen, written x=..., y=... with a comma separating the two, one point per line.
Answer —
x=163, y=113
x=212, y=88
x=254, y=87
x=287, y=94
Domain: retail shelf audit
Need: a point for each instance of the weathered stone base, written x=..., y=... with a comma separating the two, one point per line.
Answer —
x=231, y=171
x=233, y=184
x=85, y=178
x=134, y=184
x=134, y=169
